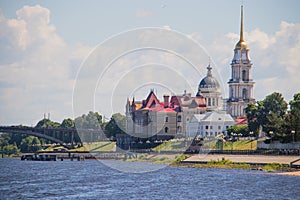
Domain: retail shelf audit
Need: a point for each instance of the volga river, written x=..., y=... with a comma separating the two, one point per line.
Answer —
x=94, y=180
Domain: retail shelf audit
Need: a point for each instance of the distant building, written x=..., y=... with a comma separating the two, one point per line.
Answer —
x=209, y=124
x=153, y=118
x=240, y=84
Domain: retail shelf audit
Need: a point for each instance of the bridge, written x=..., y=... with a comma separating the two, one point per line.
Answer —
x=66, y=137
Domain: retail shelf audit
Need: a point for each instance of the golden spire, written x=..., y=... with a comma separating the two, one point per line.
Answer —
x=242, y=44
x=242, y=25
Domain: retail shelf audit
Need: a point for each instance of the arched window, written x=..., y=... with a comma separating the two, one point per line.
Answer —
x=179, y=118
x=166, y=119
x=245, y=95
x=244, y=75
x=166, y=129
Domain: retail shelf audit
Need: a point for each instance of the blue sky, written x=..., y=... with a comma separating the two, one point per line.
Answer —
x=93, y=21
x=42, y=47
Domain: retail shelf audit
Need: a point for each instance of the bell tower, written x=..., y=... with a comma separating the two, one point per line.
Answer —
x=240, y=84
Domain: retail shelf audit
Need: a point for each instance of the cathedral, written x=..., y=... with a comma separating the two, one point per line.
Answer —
x=172, y=118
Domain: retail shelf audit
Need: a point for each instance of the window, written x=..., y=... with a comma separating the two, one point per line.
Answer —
x=206, y=127
x=166, y=119
x=219, y=127
x=166, y=129
x=209, y=102
x=178, y=129
x=211, y=127
x=245, y=94
x=213, y=101
x=244, y=78
x=179, y=118
x=227, y=127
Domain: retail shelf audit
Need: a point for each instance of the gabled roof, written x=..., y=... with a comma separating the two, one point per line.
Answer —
x=151, y=100
x=197, y=117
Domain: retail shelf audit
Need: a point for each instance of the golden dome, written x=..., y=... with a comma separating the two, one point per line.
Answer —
x=241, y=45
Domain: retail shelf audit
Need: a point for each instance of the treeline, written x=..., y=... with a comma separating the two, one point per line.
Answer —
x=11, y=144
x=273, y=117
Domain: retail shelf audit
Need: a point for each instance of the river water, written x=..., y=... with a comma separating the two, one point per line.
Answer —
x=94, y=180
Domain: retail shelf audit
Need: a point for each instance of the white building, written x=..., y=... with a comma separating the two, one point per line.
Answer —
x=209, y=124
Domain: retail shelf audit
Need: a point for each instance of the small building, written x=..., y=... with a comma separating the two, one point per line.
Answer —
x=209, y=124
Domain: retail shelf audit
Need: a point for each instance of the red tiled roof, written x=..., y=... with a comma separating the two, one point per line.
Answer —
x=241, y=120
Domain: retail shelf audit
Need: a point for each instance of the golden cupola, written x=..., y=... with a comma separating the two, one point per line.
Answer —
x=241, y=43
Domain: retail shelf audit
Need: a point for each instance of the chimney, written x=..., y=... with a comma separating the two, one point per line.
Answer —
x=166, y=100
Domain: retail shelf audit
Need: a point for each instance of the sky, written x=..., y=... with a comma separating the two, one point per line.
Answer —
x=47, y=47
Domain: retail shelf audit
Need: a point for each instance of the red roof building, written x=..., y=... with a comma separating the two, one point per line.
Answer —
x=169, y=117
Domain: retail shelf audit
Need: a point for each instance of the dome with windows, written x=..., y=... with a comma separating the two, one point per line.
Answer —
x=209, y=81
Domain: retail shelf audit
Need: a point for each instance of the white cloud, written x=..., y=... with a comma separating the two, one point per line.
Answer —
x=37, y=67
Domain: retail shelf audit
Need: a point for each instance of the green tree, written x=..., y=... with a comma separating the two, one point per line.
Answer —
x=295, y=117
x=270, y=113
x=93, y=120
x=115, y=126
x=30, y=144
x=67, y=123
x=252, y=114
x=90, y=121
x=47, y=123
x=11, y=149
x=273, y=110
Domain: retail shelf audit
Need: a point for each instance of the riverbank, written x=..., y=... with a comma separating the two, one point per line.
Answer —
x=294, y=173
x=225, y=161
x=249, y=162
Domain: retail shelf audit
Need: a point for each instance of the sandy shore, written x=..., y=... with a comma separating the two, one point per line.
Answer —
x=251, y=159
x=296, y=173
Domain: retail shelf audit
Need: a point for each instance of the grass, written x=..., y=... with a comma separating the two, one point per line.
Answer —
x=273, y=167
x=153, y=159
x=224, y=164
x=180, y=158
x=240, y=145
x=171, y=145
x=174, y=145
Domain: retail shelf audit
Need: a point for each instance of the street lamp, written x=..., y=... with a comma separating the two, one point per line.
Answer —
x=271, y=133
x=251, y=140
x=293, y=134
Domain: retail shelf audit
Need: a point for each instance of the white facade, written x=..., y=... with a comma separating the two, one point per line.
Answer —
x=210, y=124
